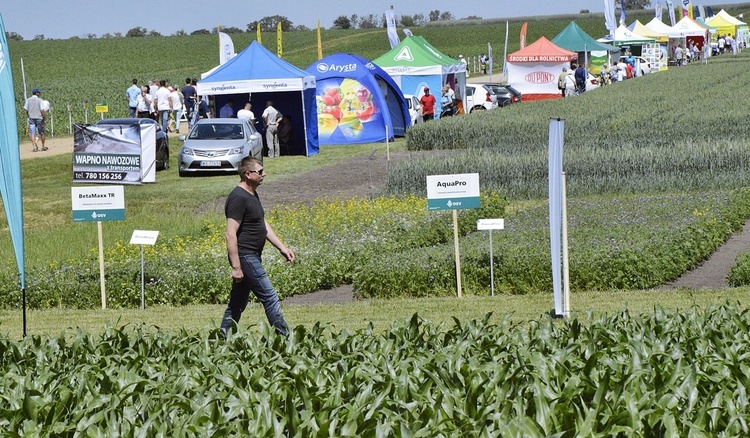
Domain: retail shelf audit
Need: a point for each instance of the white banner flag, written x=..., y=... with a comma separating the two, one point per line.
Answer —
x=609, y=16
x=556, y=134
x=390, y=19
x=489, y=58
x=670, y=7
x=226, y=48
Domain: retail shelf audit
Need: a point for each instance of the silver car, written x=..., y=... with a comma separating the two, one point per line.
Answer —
x=218, y=145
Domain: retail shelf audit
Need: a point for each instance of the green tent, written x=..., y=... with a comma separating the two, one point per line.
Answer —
x=575, y=39
x=414, y=64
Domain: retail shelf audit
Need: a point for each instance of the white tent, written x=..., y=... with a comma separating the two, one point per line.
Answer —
x=658, y=26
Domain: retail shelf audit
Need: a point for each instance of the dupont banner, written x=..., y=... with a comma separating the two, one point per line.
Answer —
x=117, y=154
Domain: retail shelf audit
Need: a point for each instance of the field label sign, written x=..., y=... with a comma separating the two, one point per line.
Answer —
x=453, y=192
x=101, y=203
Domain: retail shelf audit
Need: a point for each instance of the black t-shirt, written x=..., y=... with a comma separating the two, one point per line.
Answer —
x=188, y=91
x=246, y=209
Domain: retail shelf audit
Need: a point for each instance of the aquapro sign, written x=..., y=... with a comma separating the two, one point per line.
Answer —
x=453, y=192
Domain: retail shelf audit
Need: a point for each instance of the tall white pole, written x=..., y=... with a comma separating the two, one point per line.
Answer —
x=23, y=76
x=566, y=271
x=457, y=254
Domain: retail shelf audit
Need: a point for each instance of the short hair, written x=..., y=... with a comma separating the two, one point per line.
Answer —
x=135, y=81
x=187, y=81
x=246, y=164
x=163, y=82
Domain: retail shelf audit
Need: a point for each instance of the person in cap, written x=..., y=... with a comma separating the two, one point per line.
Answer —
x=35, y=114
x=428, y=105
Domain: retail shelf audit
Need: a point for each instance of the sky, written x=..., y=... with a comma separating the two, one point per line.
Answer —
x=65, y=18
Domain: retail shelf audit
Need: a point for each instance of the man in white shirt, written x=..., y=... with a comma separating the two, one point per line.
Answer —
x=35, y=114
x=175, y=98
x=247, y=114
x=163, y=104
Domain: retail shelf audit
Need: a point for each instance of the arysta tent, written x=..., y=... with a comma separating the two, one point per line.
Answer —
x=257, y=75
x=357, y=102
x=639, y=28
x=534, y=69
x=414, y=63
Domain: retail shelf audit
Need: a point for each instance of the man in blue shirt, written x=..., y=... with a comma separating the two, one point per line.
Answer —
x=227, y=112
x=132, y=94
x=581, y=76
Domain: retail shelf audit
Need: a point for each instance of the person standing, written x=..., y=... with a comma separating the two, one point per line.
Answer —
x=131, y=94
x=246, y=234
x=227, y=111
x=466, y=65
x=143, y=104
x=271, y=118
x=189, y=93
x=678, y=54
x=175, y=98
x=246, y=113
x=581, y=75
x=428, y=105
x=163, y=105
x=35, y=115
x=561, y=80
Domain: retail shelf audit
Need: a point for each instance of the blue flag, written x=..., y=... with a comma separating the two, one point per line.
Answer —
x=10, y=156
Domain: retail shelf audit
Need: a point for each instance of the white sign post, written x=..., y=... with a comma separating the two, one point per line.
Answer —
x=143, y=237
x=103, y=203
x=453, y=192
x=491, y=224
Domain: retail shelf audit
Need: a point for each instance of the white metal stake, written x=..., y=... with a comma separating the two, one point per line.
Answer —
x=458, y=255
x=143, y=282
x=566, y=273
x=101, y=264
x=492, y=269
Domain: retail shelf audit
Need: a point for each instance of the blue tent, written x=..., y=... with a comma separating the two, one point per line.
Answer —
x=357, y=101
x=256, y=75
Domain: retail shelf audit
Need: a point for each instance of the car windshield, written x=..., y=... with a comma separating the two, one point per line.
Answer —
x=216, y=131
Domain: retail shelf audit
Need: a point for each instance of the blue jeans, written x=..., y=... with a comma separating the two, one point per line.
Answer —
x=256, y=280
x=164, y=119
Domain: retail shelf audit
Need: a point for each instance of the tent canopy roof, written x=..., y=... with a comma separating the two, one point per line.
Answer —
x=640, y=29
x=688, y=27
x=574, y=38
x=417, y=52
x=657, y=25
x=542, y=50
x=624, y=37
x=724, y=16
x=257, y=63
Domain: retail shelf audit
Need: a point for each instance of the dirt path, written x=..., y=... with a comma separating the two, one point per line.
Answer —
x=712, y=274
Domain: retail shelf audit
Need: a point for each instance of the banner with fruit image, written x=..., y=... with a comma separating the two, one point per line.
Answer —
x=347, y=112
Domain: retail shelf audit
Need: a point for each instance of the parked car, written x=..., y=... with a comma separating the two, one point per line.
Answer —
x=504, y=94
x=592, y=81
x=162, y=140
x=640, y=64
x=415, y=109
x=218, y=145
x=479, y=98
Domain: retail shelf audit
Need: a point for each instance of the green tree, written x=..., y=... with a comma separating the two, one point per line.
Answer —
x=137, y=32
x=269, y=24
x=342, y=22
x=447, y=16
x=12, y=36
x=200, y=32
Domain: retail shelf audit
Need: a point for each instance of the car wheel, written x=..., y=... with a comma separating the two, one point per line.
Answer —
x=478, y=108
x=165, y=166
x=183, y=173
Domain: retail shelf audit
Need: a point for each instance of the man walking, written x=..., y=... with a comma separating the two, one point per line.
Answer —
x=35, y=114
x=247, y=232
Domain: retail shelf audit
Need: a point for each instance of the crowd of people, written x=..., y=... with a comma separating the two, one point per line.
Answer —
x=166, y=104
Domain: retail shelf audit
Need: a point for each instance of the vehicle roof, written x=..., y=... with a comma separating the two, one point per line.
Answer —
x=222, y=121
x=125, y=121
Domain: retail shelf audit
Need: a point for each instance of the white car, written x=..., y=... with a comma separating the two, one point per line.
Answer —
x=640, y=65
x=479, y=98
x=415, y=109
x=592, y=83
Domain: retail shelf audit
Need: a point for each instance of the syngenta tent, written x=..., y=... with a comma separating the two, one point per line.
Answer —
x=415, y=63
x=534, y=69
x=357, y=102
x=256, y=75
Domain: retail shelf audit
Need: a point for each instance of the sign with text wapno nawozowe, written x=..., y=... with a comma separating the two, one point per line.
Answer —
x=453, y=192
x=100, y=203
